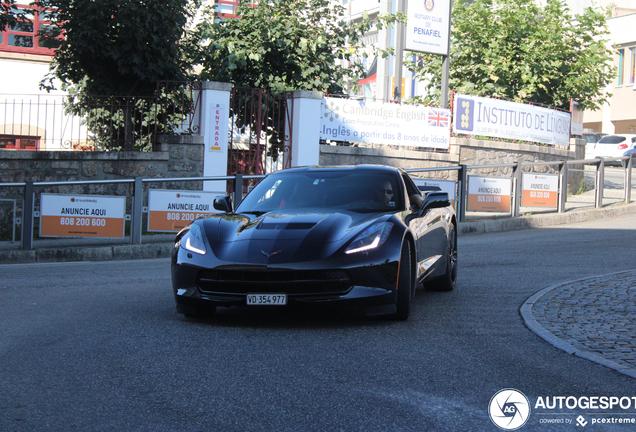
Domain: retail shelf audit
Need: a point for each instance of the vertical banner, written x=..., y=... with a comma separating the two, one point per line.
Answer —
x=489, y=194
x=428, y=26
x=540, y=190
x=215, y=128
x=81, y=215
x=171, y=210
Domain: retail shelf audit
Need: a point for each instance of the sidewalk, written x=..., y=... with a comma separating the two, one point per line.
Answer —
x=592, y=318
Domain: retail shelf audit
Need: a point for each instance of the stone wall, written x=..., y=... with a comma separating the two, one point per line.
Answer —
x=178, y=156
x=182, y=156
x=464, y=151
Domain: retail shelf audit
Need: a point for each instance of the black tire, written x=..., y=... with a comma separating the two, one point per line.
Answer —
x=404, y=285
x=449, y=280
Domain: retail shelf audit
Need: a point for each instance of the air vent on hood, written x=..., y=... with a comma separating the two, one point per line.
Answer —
x=287, y=226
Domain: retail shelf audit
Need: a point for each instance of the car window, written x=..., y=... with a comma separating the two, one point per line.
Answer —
x=612, y=140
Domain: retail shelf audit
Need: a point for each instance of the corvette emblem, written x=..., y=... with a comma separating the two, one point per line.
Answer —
x=271, y=254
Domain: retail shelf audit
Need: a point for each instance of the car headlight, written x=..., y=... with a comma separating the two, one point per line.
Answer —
x=371, y=238
x=193, y=240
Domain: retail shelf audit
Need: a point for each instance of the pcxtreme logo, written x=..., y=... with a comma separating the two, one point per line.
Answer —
x=509, y=409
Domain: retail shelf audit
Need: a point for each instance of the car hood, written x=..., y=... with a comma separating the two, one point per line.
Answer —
x=282, y=238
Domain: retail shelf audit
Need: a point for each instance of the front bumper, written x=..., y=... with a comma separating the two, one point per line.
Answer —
x=366, y=281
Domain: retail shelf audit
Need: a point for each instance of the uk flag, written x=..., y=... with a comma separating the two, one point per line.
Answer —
x=439, y=117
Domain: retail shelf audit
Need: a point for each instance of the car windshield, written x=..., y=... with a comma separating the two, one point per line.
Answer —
x=322, y=189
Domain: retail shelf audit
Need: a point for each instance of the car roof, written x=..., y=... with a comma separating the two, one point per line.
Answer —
x=351, y=168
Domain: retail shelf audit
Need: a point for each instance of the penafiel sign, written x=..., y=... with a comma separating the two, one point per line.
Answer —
x=81, y=215
x=172, y=210
x=489, y=194
x=539, y=190
x=428, y=26
x=503, y=119
x=379, y=123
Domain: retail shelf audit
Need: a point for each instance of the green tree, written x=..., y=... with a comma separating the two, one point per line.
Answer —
x=278, y=45
x=519, y=50
x=118, y=47
x=110, y=55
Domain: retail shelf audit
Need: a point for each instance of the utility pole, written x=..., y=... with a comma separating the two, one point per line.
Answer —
x=399, y=54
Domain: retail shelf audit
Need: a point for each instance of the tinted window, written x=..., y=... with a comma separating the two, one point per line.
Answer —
x=612, y=140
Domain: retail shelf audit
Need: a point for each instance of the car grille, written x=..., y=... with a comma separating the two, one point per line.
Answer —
x=274, y=281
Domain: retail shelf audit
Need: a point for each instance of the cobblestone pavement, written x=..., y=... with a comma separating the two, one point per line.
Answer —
x=594, y=318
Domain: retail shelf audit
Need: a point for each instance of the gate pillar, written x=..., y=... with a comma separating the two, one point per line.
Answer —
x=305, y=136
x=215, y=114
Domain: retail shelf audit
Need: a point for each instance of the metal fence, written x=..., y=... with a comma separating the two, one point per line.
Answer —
x=23, y=213
x=63, y=122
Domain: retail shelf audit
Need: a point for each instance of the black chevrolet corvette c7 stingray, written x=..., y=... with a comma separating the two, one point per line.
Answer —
x=362, y=236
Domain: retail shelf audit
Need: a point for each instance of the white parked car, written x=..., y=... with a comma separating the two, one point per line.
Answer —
x=613, y=146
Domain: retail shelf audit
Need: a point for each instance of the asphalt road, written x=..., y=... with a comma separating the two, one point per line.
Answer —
x=99, y=347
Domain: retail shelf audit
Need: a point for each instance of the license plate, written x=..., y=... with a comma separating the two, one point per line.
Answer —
x=266, y=299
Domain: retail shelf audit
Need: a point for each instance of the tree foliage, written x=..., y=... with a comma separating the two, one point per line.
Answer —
x=278, y=45
x=110, y=55
x=118, y=47
x=519, y=50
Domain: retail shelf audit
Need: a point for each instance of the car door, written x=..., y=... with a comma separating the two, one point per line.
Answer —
x=429, y=230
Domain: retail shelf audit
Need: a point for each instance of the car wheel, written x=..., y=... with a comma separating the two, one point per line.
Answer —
x=448, y=281
x=404, y=285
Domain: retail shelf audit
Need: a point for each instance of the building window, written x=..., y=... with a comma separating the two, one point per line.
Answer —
x=22, y=37
x=632, y=69
x=621, y=61
x=15, y=142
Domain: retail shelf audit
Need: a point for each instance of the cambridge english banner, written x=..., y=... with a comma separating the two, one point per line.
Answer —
x=502, y=119
x=380, y=123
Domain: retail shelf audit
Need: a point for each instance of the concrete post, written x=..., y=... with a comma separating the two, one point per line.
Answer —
x=305, y=142
x=215, y=129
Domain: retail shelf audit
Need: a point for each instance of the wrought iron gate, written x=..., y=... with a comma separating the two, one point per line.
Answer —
x=260, y=132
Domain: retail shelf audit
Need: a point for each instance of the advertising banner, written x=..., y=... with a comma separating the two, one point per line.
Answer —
x=448, y=186
x=380, y=123
x=428, y=26
x=81, y=215
x=502, y=119
x=539, y=190
x=489, y=194
x=171, y=210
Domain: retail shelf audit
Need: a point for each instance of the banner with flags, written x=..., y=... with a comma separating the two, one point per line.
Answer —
x=385, y=123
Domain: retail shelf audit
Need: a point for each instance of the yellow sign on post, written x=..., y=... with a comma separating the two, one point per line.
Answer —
x=81, y=215
x=403, y=89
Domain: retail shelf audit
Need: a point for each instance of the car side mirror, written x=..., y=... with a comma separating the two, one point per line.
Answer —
x=224, y=204
x=434, y=200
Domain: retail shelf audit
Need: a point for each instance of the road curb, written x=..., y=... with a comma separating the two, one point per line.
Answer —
x=87, y=253
x=530, y=322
